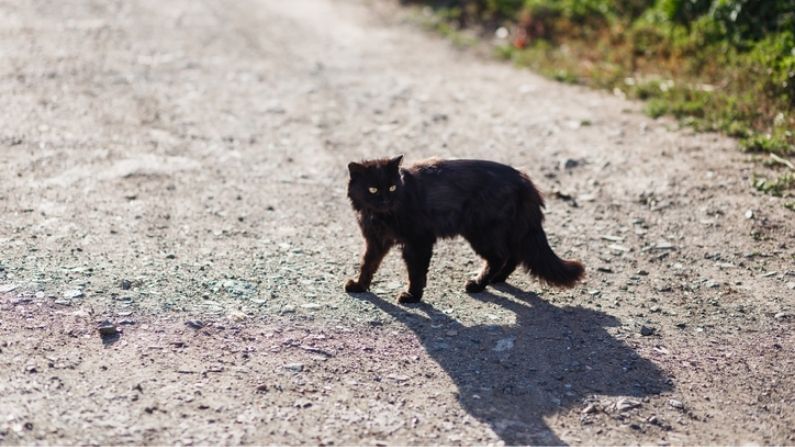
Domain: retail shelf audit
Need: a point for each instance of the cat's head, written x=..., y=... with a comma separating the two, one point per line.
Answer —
x=375, y=185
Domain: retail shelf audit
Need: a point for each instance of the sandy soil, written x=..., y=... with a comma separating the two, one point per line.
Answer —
x=177, y=170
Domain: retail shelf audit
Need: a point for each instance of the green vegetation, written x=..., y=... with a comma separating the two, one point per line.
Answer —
x=723, y=65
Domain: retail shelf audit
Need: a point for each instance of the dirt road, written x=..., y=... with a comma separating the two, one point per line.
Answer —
x=177, y=168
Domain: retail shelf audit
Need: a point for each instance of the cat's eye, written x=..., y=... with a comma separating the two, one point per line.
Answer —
x=392, y=188
x=372, y=190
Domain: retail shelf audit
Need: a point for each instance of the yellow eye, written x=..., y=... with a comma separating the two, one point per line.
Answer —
x=372, y=190
x=392, y=188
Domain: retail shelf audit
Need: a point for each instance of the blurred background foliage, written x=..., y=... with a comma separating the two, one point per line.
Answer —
x=726, y=65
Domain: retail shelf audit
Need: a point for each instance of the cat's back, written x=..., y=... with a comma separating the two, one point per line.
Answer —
x=456, y=188
x=462, y=174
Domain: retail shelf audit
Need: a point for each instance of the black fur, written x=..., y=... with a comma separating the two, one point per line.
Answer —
x=493, y=206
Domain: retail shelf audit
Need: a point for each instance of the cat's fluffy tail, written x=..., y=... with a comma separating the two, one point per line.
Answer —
x=541, y=261
x=536, y=255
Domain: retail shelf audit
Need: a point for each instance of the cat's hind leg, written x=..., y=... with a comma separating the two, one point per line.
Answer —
x=504, y=272
x=495, y=254
x=486, y=276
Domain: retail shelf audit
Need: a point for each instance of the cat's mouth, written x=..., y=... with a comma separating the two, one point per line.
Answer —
x=382, y=207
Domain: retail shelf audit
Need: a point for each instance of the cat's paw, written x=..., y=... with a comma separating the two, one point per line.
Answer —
x=353, y=286
x=498, y=279
x=406, y=297
x=473, y=286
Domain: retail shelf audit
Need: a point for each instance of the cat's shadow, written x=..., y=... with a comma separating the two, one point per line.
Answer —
x=552, y=359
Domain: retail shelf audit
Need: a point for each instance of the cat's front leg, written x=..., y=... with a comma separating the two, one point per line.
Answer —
x=418, y=257
x=374, y=253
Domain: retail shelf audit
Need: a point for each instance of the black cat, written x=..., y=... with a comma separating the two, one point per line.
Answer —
x=494, y=206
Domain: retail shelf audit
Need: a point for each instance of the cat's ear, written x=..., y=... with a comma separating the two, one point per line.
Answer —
x=355, y=169
x=395, y=162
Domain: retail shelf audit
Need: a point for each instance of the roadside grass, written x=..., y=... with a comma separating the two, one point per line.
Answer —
x=698, y=69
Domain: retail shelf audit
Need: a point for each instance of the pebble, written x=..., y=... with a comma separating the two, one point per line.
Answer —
x=791, y=285
x=125, y=284
x=107, y=330
x=653, y=420
x=676, y=404
x=782, y=315
x=73, y=294
x=646, y=331
x=288, y=309
x=664, y=245
x=504, y=344
x=624, y=404
x=237, y=316
x=569, y=163
x=294, y=367
x=194, y=324
x=8, y=288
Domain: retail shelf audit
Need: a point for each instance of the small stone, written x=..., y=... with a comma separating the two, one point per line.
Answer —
x=653, y=420
x=612, y=238
x=294, y=367
x=73, y=294
x=782, y=315
x=646, y=331
x=676, y=404
x=194, y=324
x=263, y=388
x=591, y=408
x=126, y=284
x=749, y=214
x=791, y=285
x=504, y=344
x=625, y=404
x=107, y=330
x=569, y=163
x=643, y=273
x=237, y=316
x=662, y=244
x=288, y=309
x=8, y=288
